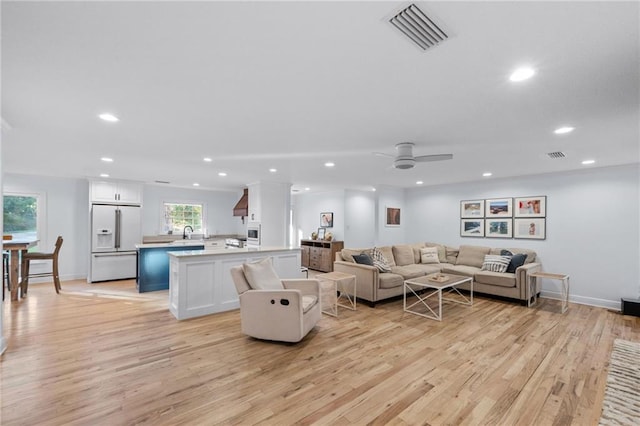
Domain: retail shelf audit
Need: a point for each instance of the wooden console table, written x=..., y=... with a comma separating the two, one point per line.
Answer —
x=564, y=287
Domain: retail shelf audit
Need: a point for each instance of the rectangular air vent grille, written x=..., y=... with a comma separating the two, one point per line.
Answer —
x=420, y=29
x=557, y=154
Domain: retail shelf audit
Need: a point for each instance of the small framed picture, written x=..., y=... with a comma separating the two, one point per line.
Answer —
x=530, y=206
x=499, y=207
x=471, y=208
x=472, y=227
x=321, y=233
x=393, y=216
x=498, y=228
x=530, y=228
x=326, y=220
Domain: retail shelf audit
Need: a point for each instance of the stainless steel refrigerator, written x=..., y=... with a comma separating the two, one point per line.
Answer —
x=115, y=230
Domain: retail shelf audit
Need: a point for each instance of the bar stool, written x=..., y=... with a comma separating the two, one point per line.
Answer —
x=6, y=279
x=28, y=257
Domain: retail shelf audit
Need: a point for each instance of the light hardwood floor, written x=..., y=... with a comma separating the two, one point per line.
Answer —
x=106, y=355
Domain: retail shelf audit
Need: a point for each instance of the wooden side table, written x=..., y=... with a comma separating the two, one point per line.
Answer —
x=564, y=287
x=330, y=285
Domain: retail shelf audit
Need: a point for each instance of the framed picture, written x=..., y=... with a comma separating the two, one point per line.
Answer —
x=326, y=220
x=471, y=208
x=498, y=207
x=498, y=228
x=530, y=228
x=530, y=206
x=393, y=216
x=321, y=232
x=472, y=227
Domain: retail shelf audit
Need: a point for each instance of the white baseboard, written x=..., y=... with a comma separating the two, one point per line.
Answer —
x=582, y=300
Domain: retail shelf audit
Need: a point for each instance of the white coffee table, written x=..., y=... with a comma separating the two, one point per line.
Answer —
x=434, y=284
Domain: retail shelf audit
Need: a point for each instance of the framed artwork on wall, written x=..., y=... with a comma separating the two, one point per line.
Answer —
x=472, y=227
x=471, y=208
x=326, y=220
x=530, y=228
x=393, y=216
x=498, y=228
x=498, y=207
x=530, y=206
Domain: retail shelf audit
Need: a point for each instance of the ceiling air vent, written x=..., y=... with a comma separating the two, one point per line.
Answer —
x=421, y=29
x=557, y=154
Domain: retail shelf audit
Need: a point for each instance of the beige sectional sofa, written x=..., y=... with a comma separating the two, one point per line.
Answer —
x=405, y=262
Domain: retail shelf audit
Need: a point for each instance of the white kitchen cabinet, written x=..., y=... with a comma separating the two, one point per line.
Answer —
x=116, y=192
x=254, y=202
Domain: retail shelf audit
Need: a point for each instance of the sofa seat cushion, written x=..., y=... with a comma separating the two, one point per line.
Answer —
x=502, y=279
x=390, y=280
x=472, y=255
x=403, y=255
x=408, y=271
x=308, y=302
x=467, y=271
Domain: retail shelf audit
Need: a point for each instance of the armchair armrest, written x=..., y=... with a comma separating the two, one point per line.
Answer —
x=308, y=287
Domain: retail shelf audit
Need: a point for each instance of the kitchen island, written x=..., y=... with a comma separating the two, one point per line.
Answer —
x=200, y=280
x=153, y=263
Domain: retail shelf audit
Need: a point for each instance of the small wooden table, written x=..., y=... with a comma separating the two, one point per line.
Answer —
x=533, y=284
x=330, y=284
x=17, y=248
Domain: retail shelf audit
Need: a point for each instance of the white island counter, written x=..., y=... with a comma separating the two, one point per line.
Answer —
x=200, y=280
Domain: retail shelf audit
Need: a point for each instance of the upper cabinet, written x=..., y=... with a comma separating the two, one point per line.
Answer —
x=255, y=204
x=115, y=192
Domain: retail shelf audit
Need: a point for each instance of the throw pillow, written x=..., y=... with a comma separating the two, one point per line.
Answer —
x=363, y=259
x=379, y=261
x=495, y=263
x=261, y=275
x=429, y=255
x=517, y=260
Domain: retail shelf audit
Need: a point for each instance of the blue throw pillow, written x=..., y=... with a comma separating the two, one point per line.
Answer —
x=517, y=260
x=363, y=259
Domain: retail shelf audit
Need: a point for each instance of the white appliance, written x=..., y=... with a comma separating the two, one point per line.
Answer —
x=115, y=230
x=253, y=234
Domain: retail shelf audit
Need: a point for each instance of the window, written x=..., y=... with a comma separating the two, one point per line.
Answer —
x=22, y=217
x=177, y=216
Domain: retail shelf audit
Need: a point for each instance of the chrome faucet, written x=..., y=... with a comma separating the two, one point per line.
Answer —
x=184, y=232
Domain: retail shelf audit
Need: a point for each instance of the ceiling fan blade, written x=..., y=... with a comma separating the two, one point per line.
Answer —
x=382, y=154
x=437, y=157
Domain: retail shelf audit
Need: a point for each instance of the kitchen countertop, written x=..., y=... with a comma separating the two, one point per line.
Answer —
x=229, y=251
x=180, y=244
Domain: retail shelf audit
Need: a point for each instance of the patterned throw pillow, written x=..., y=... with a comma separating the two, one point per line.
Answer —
x=379, y=261
x=429, y=255
x=495, y=263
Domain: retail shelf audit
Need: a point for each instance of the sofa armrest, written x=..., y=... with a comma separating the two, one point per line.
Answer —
x=522, y=277
x=366, y=278
x=308, y=287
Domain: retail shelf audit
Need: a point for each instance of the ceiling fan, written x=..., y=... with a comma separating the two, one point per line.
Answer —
x=404, y=158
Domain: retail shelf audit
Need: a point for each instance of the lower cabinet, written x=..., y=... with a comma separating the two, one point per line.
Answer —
x=319, y=254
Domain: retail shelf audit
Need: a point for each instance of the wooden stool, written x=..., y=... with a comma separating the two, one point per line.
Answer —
x=28, y=257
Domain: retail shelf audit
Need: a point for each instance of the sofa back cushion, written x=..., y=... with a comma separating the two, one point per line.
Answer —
x=452, y=255
x=403, y=255
x=472, y=255
x=347, y=254
x=416, y=252
x=387, y=252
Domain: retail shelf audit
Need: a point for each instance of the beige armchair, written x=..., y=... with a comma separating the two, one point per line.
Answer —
x=274, y=309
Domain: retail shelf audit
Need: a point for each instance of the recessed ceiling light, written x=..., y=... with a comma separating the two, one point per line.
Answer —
x=373, y=189
x=563, y=130
x=223, y=174
x=196, y=184
x=207, y=159
x=419, y=182
x=329, y=164
x=109, y=117
x=104, y=175
x=273, y=170
x=587, y=162
x=307, y=188
x=107, y=159
x=522, y=74
x=487, y=174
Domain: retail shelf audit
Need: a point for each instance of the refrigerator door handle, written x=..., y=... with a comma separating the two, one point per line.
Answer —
x=118, y=217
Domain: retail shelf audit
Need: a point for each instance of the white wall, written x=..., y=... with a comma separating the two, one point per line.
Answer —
x=307, y=213
x=218, y=206
x=593, y=231
x=360, y=219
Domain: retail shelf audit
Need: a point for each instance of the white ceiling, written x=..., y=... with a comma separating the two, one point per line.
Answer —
x=292, y=85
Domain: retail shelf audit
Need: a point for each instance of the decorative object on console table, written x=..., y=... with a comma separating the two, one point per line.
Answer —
x=326, y=220
x=498, y=228
x=530, y=206
x=472, y=227
x=530, y=228
x=393, y=216
x=471, y=209
x=321, y=232
x=319, y=255
x=498, y=207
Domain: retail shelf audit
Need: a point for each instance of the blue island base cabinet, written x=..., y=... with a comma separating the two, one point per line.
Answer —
x=153, y=265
